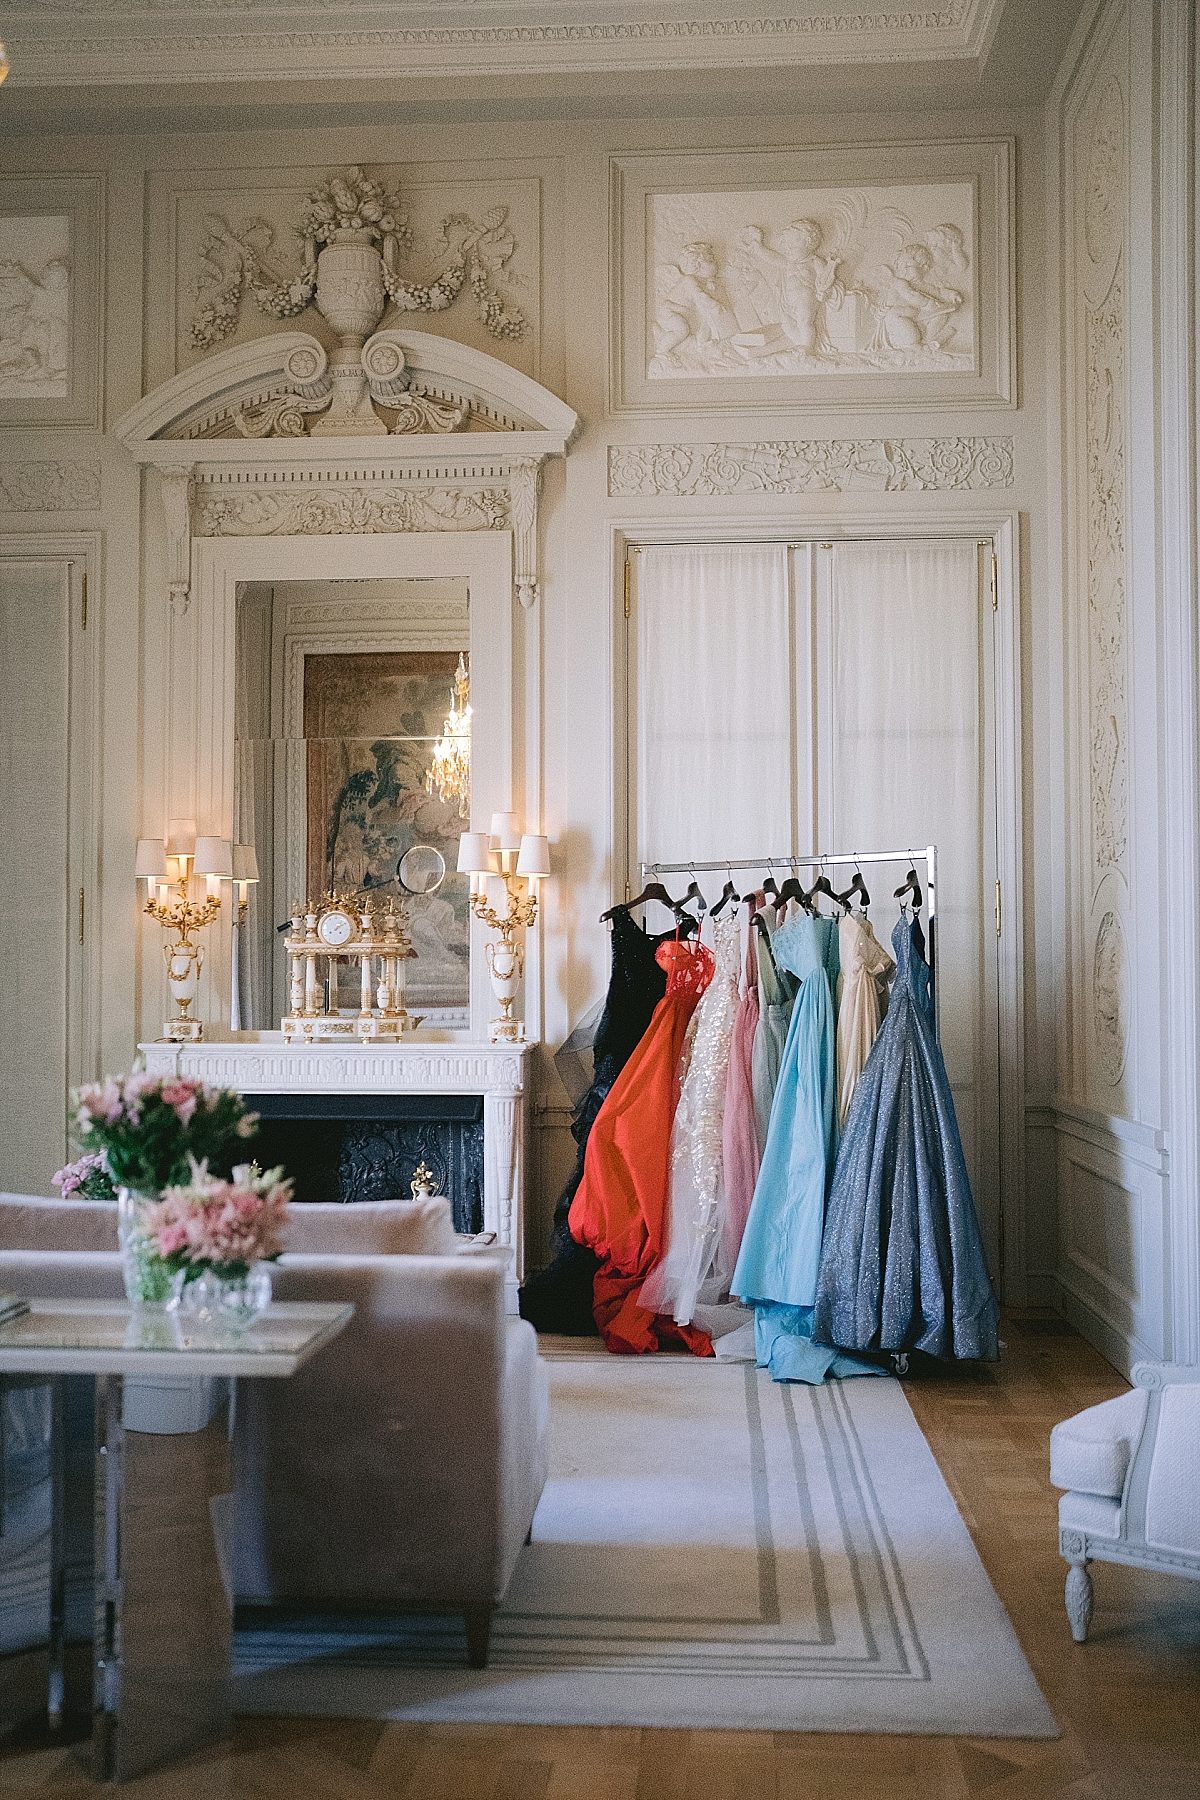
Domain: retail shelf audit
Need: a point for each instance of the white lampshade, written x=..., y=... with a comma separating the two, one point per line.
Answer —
x=534, y=859
x=245, y=862
x=181, y=837
x=506, y=833
x=474, y=853
x=150, y=863
x=214, y=856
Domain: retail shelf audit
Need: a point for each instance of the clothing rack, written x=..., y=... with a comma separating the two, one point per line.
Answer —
x=840, y=859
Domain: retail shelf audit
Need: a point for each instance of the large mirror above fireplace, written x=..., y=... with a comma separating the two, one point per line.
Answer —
x=352, y=777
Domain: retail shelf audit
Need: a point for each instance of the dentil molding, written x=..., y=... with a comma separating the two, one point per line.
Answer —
x=36, y=487
x=810, y=465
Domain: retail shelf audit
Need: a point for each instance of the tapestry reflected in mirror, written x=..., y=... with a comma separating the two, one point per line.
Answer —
x=353, y=775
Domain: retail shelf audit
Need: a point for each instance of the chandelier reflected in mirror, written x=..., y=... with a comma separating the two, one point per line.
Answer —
x=449, y=774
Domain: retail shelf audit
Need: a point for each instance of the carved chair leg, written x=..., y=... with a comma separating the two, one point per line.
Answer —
x=479, y=1631
x=1079, y=1600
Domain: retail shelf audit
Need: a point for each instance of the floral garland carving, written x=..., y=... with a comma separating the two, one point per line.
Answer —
x=49, y=486
x=324, y=511
x=234, y=260
x=811, y=465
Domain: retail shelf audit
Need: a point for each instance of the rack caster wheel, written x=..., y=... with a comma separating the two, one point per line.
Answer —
x=899, y=1362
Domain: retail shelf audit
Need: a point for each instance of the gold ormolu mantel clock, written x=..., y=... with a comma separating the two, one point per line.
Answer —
x=347, y=929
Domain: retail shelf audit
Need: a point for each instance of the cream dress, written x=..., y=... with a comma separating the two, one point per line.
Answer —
x=862, y=1001
x=697, y=1183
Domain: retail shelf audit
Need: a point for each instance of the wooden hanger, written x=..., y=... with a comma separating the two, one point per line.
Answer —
x=653, y=890
x=910, y=885
x=792, y=889
x=857, y=886
x=693, y=893
x=728, y=893
x=820, y=886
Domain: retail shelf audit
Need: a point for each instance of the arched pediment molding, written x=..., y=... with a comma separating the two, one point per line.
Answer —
x=210, y=400
x=405, y=432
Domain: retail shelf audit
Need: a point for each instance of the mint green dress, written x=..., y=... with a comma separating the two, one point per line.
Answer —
x=776, y=993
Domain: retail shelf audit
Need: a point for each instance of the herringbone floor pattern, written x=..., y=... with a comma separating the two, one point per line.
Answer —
x=1128, y=1702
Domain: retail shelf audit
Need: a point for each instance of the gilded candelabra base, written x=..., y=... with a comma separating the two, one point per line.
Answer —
x=504, y=960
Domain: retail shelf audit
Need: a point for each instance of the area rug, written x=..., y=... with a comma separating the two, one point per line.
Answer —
x=711, y=1549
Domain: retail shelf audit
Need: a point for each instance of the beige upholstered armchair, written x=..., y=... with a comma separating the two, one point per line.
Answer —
x=1131, y=1468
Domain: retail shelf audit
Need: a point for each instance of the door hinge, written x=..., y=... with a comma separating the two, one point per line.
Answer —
x=999, y=910
x=83, y=604
x=82, y=913
x=995, y=579
x=628, y=890
x=628, y=587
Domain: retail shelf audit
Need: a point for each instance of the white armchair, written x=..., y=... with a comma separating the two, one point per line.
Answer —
x=1131, y=1468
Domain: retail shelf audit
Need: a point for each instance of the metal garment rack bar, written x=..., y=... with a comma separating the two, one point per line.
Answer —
x=840, y=859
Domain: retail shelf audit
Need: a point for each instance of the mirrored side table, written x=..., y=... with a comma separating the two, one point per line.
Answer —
x=164, y=1399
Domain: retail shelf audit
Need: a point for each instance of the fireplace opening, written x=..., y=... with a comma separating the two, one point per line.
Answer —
x=353, y=1147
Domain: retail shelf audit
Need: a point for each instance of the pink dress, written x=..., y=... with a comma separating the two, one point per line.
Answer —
x=738, y=1132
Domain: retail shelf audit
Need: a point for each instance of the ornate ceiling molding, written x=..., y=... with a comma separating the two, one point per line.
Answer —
x=222, y=472
x=811, y=466
x=97, y=41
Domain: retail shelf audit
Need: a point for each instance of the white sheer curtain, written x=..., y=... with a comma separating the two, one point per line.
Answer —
x=713, y=712
x=903, y=758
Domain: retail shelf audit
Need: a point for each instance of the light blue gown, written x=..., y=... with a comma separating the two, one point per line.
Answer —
x=777, y=1266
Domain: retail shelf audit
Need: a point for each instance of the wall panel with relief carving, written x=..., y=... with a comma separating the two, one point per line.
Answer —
x=463, y=246
x=828, y=278
x=50, y=300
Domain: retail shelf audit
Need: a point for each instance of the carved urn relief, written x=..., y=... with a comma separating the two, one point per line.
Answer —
x=350, y=294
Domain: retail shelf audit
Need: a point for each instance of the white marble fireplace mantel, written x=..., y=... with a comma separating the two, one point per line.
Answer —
x=259, y=1062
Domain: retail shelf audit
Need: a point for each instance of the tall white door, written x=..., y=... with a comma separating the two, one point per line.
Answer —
x=808, y=697
x=45, y=849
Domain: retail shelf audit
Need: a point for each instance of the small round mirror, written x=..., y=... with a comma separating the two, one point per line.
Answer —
x=421, y=870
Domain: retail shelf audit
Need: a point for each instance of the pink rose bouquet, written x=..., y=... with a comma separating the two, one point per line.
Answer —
x=150, y=1129
x=87, y=1177
x=207, y=1223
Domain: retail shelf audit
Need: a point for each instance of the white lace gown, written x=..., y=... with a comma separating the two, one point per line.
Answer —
x=697, y=1191
x=862, y=1001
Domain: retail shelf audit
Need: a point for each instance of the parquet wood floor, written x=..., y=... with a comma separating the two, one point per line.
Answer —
x=1128, y=1701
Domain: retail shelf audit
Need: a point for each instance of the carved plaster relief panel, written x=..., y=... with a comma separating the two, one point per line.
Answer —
x=811, y=466
x=829, y=277
x=37, y=487
x=35, y=307
x=811, y=281
x=1098, y=578
x=463, y=256
x=49, y=296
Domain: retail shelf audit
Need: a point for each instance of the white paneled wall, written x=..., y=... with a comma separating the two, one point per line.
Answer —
x=992, y=457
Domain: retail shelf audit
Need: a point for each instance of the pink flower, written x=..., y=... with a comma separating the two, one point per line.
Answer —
x=181, y=1095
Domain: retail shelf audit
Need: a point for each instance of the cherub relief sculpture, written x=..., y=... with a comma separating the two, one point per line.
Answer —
x=34, y=328
x=915, y=306
x=860, y=289
x=694, y=304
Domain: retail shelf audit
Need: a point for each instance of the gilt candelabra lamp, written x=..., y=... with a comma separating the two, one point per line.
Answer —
x=172, y=871
x=520, y=860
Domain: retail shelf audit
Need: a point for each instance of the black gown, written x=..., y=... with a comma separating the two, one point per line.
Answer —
x=559, y=1297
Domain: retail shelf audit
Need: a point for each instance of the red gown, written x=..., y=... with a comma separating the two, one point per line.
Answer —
x=621, y=1208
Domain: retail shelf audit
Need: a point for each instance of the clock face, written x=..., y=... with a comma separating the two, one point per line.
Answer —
x=335, y=928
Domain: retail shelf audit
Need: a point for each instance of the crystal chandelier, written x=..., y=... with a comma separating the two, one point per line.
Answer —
x=450, y=771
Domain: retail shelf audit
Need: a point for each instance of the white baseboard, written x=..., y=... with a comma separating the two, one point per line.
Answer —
x=1122, y=1351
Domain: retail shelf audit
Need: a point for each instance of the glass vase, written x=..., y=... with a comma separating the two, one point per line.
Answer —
x=221, y=1301
x=147, y=1277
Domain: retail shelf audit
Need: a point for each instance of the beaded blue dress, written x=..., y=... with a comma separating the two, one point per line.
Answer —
x=903, y=1266
x=776, y=1271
